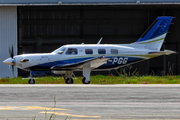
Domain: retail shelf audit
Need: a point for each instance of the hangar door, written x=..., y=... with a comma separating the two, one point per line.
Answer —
x=52, y=26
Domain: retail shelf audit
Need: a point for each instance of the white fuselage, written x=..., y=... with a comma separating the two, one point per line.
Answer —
x=119, y=55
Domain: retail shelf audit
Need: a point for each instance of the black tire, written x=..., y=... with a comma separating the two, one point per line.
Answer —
x=69, y=81
x=31, y=81
x=84, y=81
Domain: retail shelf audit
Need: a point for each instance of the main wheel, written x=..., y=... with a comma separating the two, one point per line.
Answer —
x=84, y=81
x=69, y=81
x=31, y=81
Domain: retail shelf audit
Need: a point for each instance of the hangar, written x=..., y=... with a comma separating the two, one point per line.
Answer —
x=38, y=27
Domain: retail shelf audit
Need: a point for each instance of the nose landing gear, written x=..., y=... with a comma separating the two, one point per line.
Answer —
x=31, y=80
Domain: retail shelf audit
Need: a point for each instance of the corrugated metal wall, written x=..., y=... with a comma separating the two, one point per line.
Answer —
x=8, y=37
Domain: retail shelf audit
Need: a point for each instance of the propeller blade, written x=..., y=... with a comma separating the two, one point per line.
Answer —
x=13, y=69
x=12, y=52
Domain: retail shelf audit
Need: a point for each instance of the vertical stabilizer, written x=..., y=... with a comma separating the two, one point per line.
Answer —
x=154, y=36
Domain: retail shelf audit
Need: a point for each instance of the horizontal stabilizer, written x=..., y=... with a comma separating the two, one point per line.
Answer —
x=165, y=52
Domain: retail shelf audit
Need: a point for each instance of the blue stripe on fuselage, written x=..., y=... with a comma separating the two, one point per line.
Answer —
x=47, y=66
x=114, y=62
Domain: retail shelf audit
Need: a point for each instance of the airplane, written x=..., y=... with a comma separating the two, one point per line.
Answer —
x=90, y=57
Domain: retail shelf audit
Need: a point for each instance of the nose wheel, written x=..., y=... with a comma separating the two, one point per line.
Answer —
x=31, y=81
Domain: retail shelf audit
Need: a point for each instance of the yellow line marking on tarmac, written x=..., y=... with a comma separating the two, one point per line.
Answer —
x=71, y=115
x=28, y=108
x=45, y=110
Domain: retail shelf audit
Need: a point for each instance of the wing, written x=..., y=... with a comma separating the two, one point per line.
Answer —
x=94, y=62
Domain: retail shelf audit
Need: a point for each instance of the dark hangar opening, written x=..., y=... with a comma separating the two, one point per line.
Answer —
x=42, y=29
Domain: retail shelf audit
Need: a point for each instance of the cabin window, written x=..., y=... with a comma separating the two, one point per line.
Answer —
x=114, y=51
x=101, y=51
x=88, y=51
x=71, y=51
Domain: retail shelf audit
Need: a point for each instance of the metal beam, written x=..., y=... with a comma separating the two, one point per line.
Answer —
x=55, y=4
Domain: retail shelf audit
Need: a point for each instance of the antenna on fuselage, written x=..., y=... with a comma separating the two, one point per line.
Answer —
x=100, y=40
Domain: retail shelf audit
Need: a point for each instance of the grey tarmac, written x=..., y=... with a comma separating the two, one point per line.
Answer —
x=89, y=102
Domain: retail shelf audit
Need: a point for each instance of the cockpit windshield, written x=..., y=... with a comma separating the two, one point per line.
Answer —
x=59, y=50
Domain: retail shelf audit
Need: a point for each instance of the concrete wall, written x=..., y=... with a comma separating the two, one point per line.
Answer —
x=8, y=37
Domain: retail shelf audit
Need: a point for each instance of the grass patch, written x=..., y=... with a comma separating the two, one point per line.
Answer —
x=98, y=79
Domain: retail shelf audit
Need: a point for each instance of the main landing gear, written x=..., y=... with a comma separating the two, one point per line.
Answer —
x=31, y=80
x=69, y=81
x=68, y=78
x=86, y=74
x=84, y=81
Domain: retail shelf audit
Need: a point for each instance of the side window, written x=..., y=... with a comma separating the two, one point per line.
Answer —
x=114, y=51
x=71, y=51
x=88, y=51
x=101, y=51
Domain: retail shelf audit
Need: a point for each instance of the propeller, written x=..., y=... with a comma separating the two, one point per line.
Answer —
x=11, y=53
